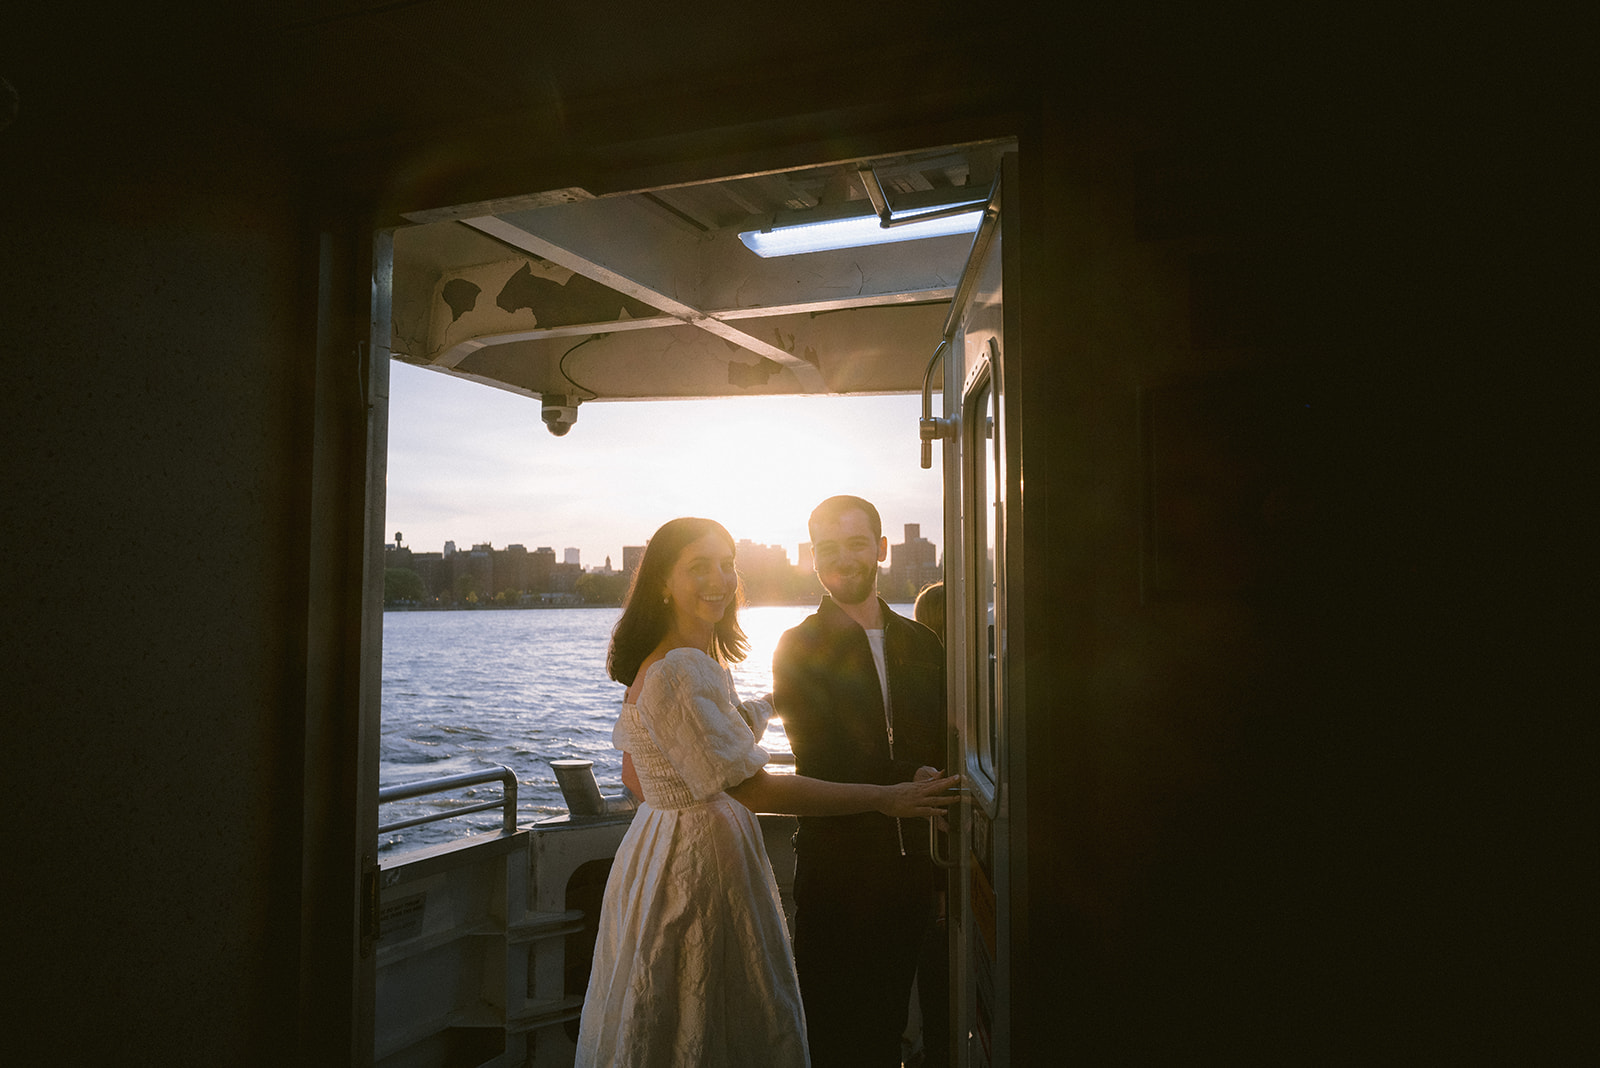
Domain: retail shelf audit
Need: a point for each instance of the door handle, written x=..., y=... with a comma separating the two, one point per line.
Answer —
x=945, y=859
x=941, y=859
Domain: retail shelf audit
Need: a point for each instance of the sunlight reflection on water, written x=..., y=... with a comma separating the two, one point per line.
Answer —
x=464, y=691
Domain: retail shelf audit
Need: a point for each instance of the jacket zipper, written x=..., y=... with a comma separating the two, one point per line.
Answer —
x=888, y=729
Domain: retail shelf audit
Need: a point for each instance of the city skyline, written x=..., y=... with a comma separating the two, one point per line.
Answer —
x=572, y=554
x=513, y=576
x=473, y=465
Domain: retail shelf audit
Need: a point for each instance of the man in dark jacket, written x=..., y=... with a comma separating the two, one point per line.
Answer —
x=860, y=690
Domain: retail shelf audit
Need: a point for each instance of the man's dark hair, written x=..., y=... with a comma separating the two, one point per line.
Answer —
x=831, y=509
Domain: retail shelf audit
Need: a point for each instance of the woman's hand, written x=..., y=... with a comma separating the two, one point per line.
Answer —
x=757, y=712
x=922, y=797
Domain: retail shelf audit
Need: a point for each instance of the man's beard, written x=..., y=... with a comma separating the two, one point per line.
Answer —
x=854, y=586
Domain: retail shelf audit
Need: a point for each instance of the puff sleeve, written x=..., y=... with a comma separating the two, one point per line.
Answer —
x=687, y=708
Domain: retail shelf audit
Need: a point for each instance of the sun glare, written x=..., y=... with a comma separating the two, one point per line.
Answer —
x=760, y=465
x=471, y=464
x=783, y=456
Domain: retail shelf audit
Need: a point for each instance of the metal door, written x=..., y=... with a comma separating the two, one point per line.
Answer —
x=980, y=853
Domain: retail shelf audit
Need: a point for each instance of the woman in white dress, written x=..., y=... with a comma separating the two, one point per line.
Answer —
x=692, y=965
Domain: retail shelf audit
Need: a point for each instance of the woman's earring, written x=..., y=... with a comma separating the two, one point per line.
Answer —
x=667, y=599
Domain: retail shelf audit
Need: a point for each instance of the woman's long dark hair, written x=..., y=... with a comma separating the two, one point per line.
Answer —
x=646, y=620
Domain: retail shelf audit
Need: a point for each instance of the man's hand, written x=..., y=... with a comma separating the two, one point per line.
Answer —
x=922, y=797
x=927, y=774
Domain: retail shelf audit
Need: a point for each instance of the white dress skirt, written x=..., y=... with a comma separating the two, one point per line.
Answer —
x=692, y=965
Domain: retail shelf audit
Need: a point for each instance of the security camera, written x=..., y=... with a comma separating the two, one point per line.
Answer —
x=560, y=411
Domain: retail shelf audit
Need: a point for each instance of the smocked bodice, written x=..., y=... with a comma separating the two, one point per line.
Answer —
x=687, y=734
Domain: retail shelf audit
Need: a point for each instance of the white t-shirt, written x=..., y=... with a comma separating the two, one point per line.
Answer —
x=875, y=639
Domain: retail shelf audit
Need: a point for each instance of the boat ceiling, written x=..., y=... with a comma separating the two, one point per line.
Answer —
x=651, y=294
x=577, y=174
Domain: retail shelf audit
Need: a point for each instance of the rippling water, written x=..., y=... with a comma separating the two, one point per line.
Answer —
x=464, y=691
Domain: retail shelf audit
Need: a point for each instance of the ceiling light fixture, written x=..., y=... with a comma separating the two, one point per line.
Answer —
x=856, y=230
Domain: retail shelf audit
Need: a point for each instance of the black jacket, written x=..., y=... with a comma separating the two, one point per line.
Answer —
x=825, y=688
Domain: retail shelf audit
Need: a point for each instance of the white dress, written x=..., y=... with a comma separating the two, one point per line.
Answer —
x=692, y=966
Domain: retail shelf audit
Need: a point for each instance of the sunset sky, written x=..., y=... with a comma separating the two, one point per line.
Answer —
x=469, y=463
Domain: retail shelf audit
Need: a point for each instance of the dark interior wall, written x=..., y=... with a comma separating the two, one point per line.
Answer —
x=184, y=460
x=156, y=418
x=1257, y=823
x=184, y=457
x=1183, y=717
x=1279, y=758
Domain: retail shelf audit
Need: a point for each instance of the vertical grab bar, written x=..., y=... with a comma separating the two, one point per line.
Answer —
x=938, y=858
x=943, y=860
x=930, y=428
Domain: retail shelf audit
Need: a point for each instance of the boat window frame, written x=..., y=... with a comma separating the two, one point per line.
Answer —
x=983, y=491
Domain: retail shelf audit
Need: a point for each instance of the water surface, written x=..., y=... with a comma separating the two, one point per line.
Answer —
x=467, y=690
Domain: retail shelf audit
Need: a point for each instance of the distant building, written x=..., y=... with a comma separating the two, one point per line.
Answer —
x=396, y=555
x=511, y=569
x=472, y=573
x=426, y=566
x=803, y=557
x=430, y=567
x=484, y=573
x=913, y=564
x=541, y=563
x=564, y=577
x=765, y=569
x=753, y=557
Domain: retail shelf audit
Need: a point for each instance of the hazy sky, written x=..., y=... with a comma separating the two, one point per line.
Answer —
x=469, y=463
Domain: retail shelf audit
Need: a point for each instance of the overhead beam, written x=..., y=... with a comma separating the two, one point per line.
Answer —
x=816, y=307
x=454, y=304
x=861, y=350
x=579, y=250
x=459, y=309
x=453, y=355
x=675, y=362
x=623, y=265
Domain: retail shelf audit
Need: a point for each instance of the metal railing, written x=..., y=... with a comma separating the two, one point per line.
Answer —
x=407, y=791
